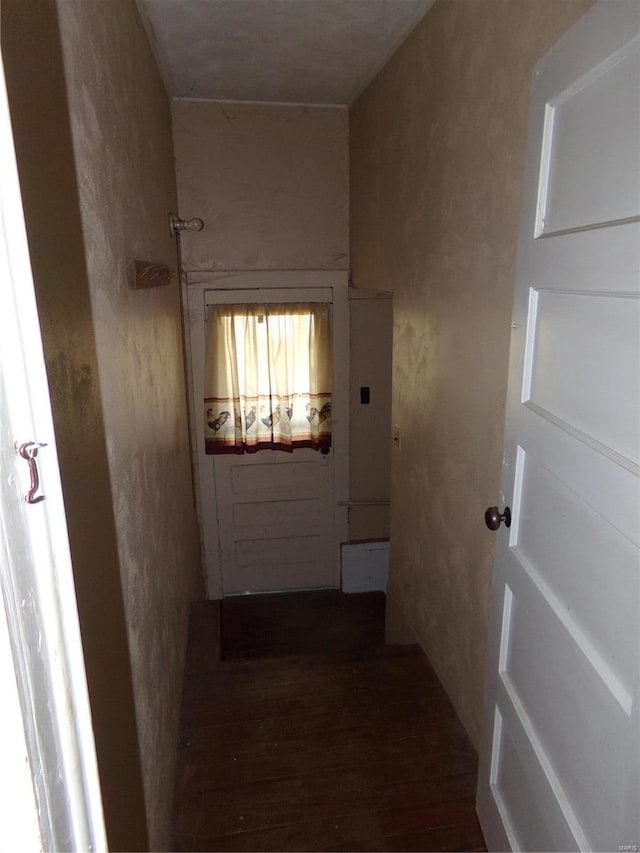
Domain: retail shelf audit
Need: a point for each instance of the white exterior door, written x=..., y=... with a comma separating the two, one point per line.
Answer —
x=275, y=509
x=560, y=758
x=275, y=517
x=273, y=520
x=53, y=802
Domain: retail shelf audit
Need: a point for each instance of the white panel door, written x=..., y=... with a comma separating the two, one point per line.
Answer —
x=560, y=758
x=273, y=520
x=275, y=509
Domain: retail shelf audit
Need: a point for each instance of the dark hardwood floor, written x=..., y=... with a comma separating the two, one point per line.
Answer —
x=312, y=734
x=321, y=622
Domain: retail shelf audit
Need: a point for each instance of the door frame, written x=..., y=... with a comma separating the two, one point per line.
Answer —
x=45, y=704
x=266, y=282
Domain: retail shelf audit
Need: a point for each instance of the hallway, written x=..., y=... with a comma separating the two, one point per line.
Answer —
x=311, y=734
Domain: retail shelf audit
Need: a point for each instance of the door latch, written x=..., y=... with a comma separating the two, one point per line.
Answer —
x=29, y=451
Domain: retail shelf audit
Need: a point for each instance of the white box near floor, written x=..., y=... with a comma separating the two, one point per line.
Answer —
x=365, y=566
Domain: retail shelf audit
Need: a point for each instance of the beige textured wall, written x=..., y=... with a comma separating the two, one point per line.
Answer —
x=114, y=362
x=121, y=128
x=437, y=158
x=270, y=183
x=370, y=425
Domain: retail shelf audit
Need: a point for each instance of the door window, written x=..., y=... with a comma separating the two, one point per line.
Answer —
x=268, y=377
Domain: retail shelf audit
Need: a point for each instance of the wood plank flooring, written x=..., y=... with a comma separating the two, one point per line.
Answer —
x=311, y=734
x=319, y=622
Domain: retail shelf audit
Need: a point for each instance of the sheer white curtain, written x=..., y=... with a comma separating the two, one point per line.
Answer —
x=268, y=377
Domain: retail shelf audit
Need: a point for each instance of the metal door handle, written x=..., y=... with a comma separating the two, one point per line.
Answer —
x=493, y=519
x=29, y=451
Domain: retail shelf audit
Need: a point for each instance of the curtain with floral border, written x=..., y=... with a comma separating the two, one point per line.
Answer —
x=268, y=377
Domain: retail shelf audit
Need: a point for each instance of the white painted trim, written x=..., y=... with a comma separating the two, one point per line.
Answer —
x=340, y=419
x=334, y=284
x=202, y=464
x=276, y=294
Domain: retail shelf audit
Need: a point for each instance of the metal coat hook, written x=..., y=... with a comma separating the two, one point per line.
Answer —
x=29, y=451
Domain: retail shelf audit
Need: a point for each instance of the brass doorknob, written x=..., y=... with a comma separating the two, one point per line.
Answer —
x=493, y=519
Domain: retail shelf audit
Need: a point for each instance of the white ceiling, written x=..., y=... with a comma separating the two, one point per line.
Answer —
x=283, y=51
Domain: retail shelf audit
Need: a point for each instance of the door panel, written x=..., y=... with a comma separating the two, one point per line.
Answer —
x=580, y=345
x=578, y=144
x=585, y=612
x=275, y=519
x=559, y=761
x=523, y=785
x=516, y=784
